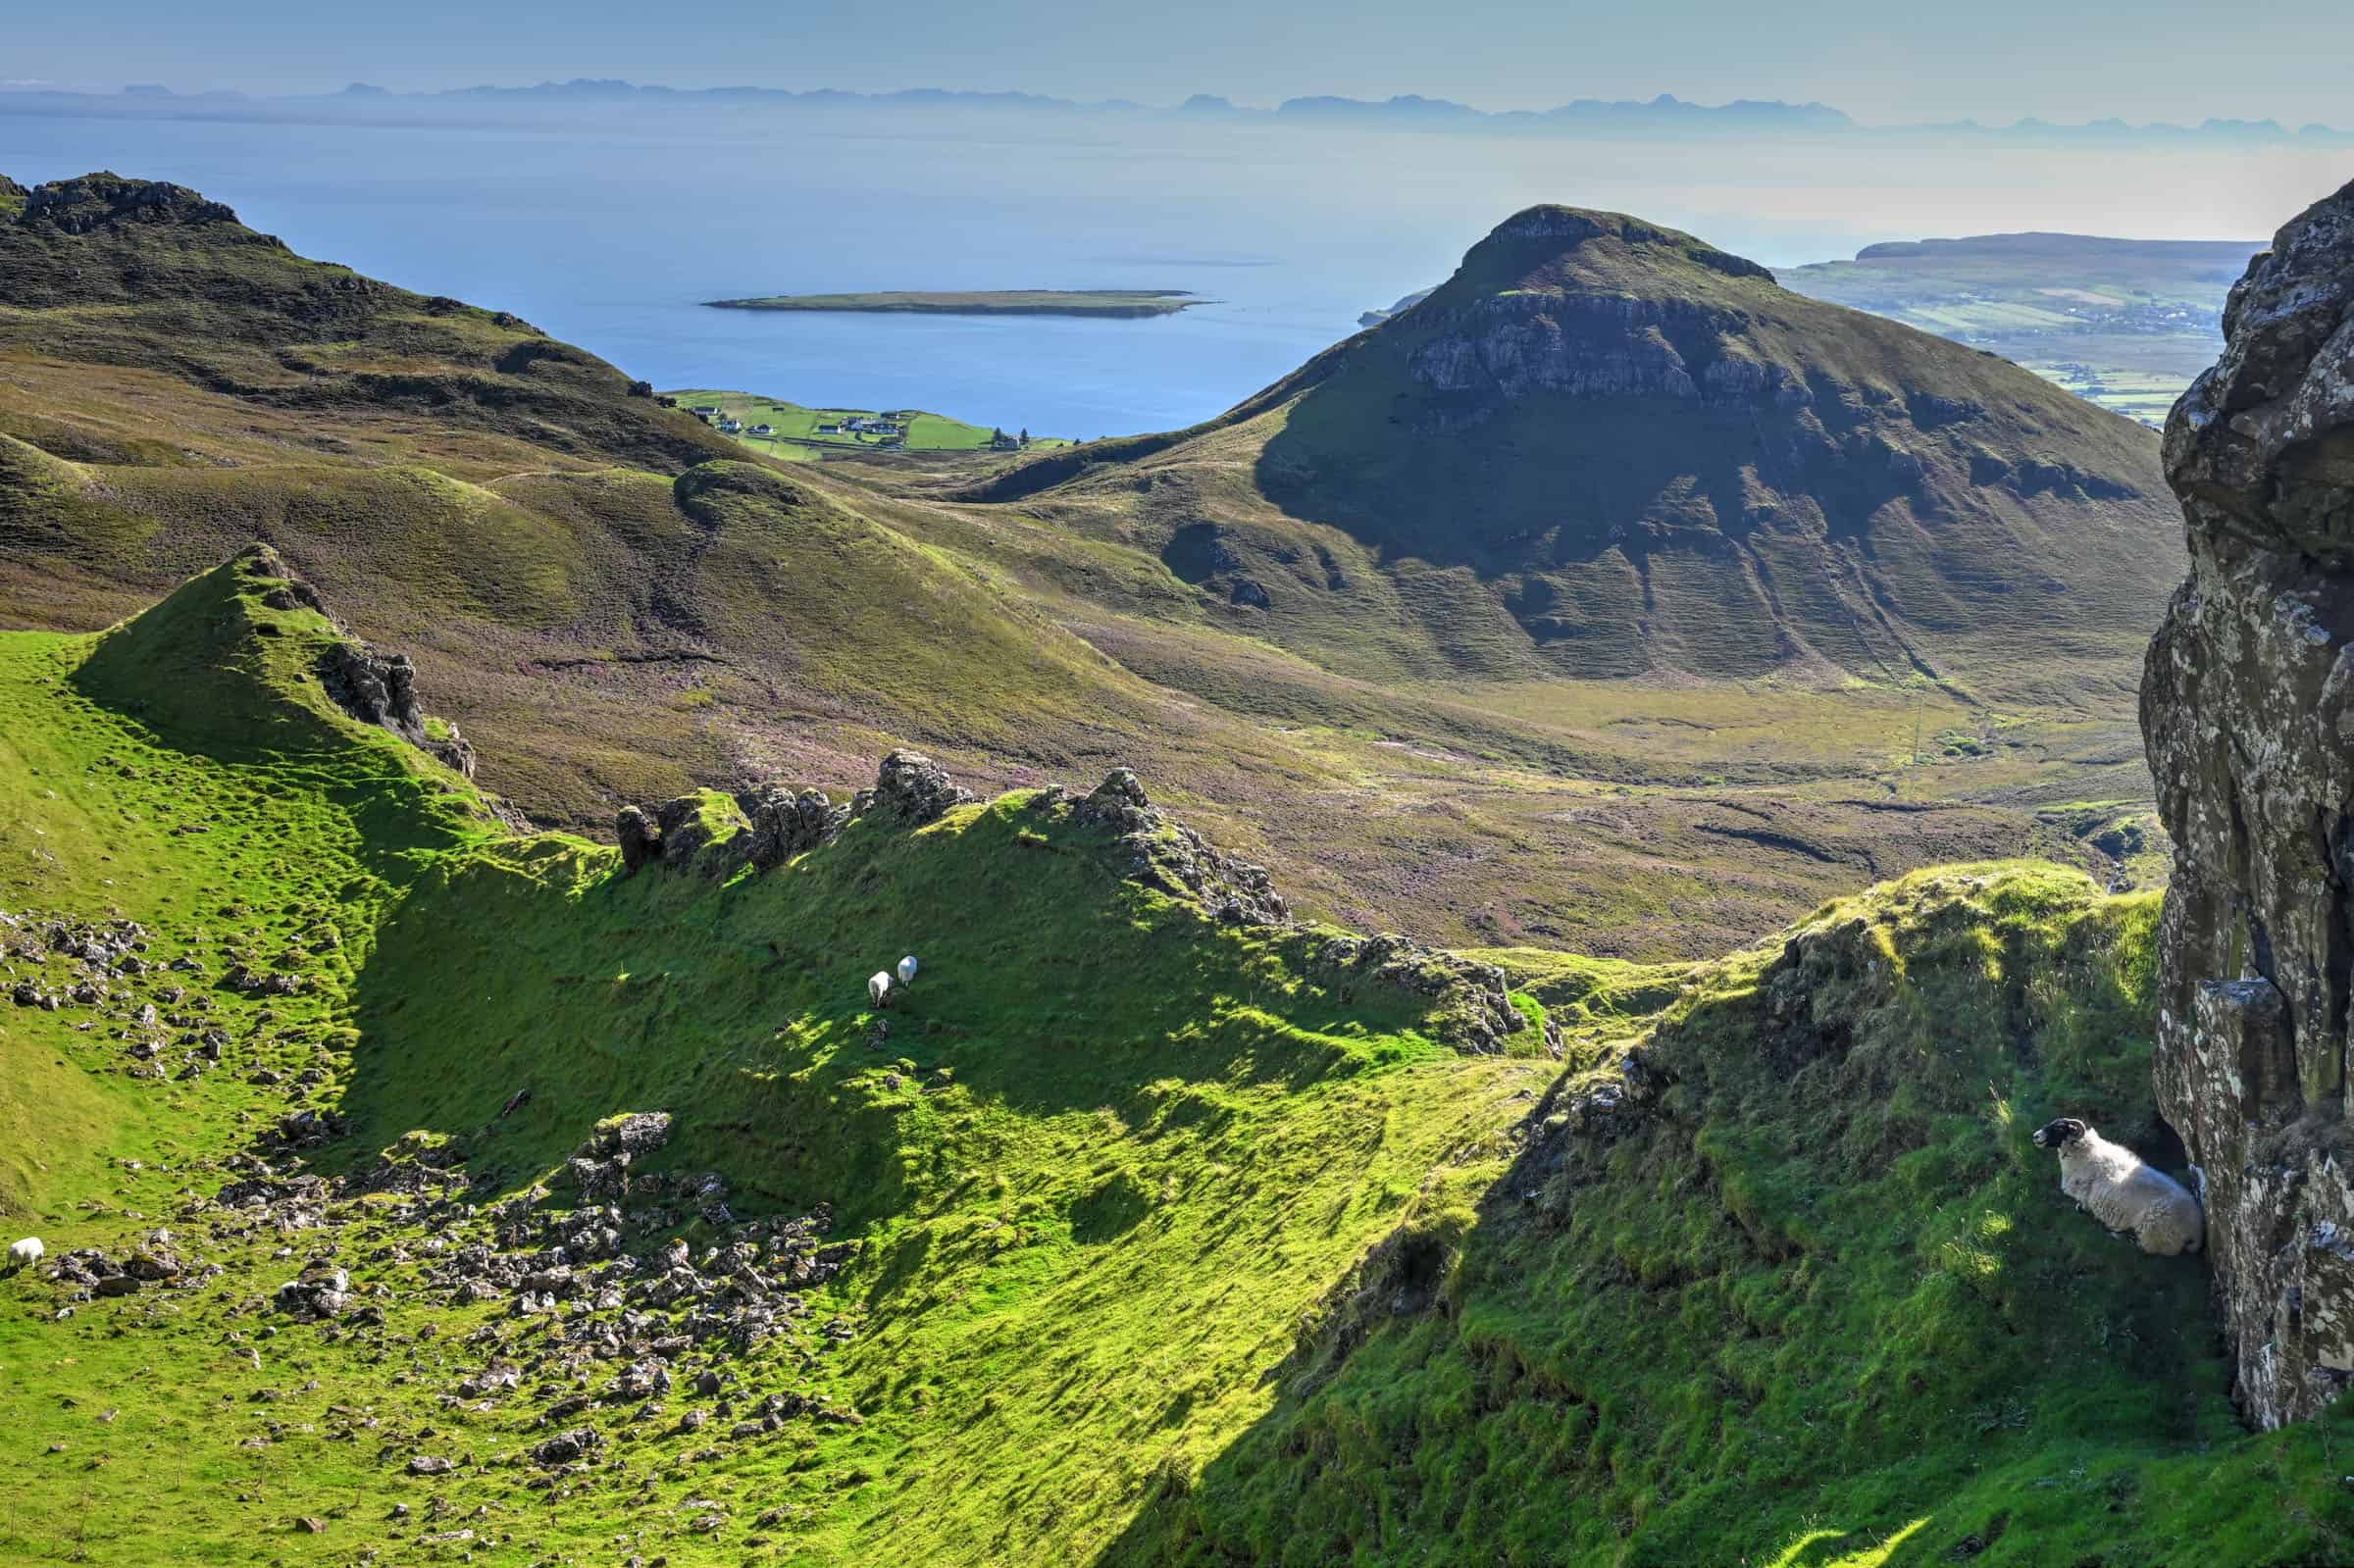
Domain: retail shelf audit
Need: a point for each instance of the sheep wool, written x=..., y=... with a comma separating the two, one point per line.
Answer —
x=907, y=970
x=877, y=988
x=25, y=1253
x=2123, y=1190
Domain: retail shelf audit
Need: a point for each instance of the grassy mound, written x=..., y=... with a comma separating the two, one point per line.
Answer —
x=1793, y=1286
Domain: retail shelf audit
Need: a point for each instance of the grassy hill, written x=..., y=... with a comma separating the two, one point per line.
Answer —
x=1604, y=450
x=619, y=604
x=1132, y=1235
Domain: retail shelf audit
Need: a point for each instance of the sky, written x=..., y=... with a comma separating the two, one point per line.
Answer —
x=1990, y=60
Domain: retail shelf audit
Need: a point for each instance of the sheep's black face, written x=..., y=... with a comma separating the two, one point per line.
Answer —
x=2060, y=1133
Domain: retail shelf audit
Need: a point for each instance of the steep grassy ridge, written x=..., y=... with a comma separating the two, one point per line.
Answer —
x=1797, y=1288
x=1151, y=1238
x=1091, y=1087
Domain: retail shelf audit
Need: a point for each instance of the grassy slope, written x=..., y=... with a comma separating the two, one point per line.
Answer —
x=1826, y=1306
x=614, y=617
x=1131, y=1093
x=794, y=423
x=1106, y=1308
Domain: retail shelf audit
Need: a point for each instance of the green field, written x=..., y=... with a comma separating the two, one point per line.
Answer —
x=796, y=428
x=2124, y=322
x=1101, y=302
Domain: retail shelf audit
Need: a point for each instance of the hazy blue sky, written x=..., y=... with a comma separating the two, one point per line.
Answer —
x=1878, y=60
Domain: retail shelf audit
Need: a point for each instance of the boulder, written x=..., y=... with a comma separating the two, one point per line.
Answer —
x=2247, y=708
x=639, y=841
x=381, y=689
x=786, y=823
x=916, y=790
x=693, y=824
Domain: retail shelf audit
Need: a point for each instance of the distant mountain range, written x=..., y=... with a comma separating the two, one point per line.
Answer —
x=1665, y=115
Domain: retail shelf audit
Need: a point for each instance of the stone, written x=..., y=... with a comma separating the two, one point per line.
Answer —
x=2247, y=708
x=566, y=1446
x=428, y=1464
x=916, y=790
x=381, y=689
x=686, y=829
x=640, y=841
x=786, y=823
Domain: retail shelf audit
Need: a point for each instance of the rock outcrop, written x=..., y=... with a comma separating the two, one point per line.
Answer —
x=373, y=687
x=95, y=201
x=787, y=822
x=2247, y=708
x=915, y=789
x=381, y=689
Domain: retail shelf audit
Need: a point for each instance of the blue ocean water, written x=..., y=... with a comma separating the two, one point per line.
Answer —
x=607, y=227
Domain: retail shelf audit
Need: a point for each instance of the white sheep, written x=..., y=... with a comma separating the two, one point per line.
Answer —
x=877, y=988
x=2122, y=1189
x=25, y=1253
x=907, y=970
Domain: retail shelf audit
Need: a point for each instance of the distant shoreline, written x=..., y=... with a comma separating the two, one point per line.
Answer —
x=1118, y=303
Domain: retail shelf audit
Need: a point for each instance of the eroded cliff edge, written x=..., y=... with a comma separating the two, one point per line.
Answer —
x=2247, y=708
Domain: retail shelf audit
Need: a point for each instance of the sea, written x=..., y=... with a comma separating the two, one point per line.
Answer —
x=608, y=226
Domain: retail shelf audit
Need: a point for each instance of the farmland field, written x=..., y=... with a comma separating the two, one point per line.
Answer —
x=796, y=427
x=2124, y=322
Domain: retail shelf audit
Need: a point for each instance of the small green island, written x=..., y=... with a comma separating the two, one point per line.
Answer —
x=1125, y=303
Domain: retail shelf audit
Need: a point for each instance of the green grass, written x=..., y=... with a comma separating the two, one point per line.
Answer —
x=796, y=429
x=2125, y=324
x=1095, y=1082
x=1169, y=1251
x=1822, y=1305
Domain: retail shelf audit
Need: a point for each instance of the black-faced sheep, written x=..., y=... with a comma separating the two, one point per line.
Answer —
x=2124, y=1192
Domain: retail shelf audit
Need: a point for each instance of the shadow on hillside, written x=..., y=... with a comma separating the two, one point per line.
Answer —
x=1552, y=481
x=1049, y=985
x=1666, y=1338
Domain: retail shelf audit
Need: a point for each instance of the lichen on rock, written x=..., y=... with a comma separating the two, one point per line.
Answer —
x=2247, y=709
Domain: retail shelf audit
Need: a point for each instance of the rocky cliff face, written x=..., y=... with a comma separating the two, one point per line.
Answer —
x=2248, y=711
x=95, y=201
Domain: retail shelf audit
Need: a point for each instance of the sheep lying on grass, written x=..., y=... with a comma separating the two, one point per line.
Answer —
x=2122, y=1189
x=878, y=990
x=25, y=1253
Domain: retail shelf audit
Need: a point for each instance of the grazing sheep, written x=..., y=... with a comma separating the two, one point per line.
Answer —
x=907, y=970
x=2123, y=1190
x=25, y=1253
x=877, y=988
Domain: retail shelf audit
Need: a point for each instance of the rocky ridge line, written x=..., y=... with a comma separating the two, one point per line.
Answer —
x=709, y=834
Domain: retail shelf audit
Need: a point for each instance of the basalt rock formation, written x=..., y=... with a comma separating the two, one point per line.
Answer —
x=94, y=201
x=2248, y=710
x=381, y=689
